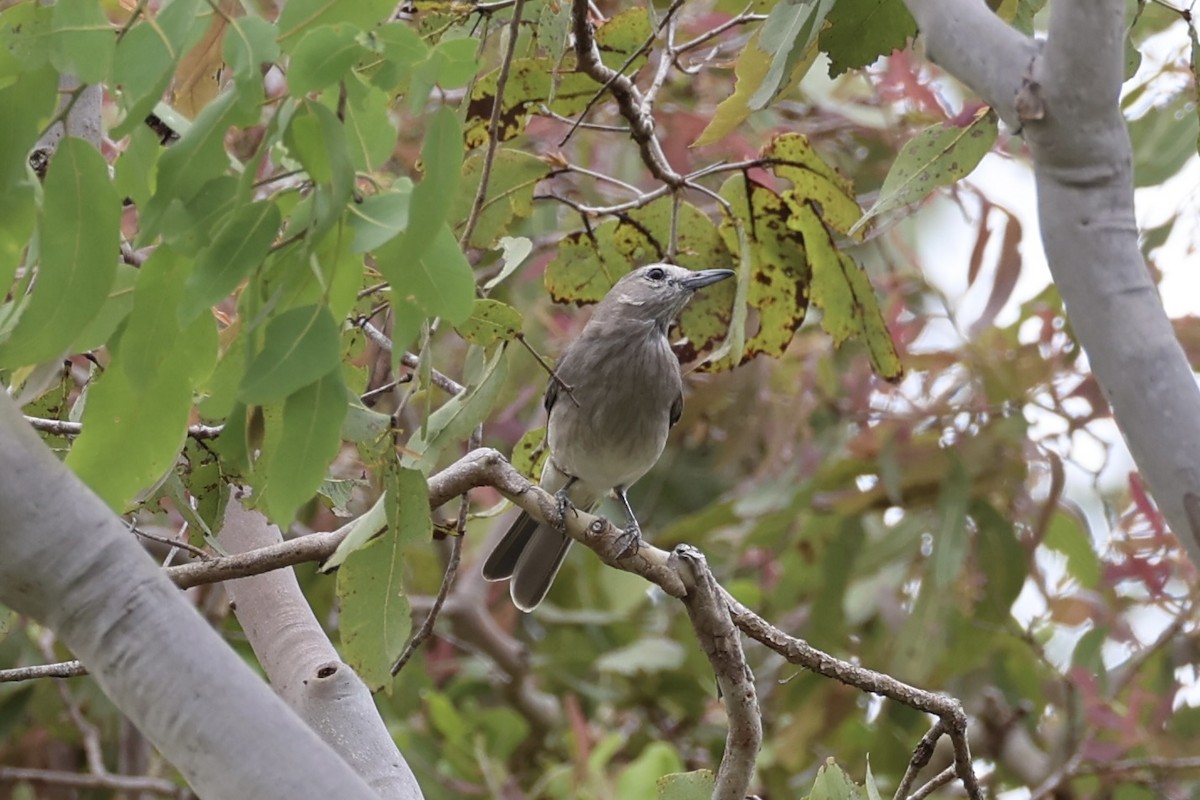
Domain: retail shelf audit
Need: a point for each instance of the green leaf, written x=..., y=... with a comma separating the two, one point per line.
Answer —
x=146, y=56
x=442, y=155
x=238, y=248
x=458, y=416
x=1164, y=139
x=302, y=344
x=952, y=540
x=516, y=250
x=491, y=321
x=1068, y=535
x=116, y=308
x=834, y=784
x=696, y=785
x=370, y=133
x=152, y=333
x=199, y=156
x=300, y=16
x=23, y=31
x=78, y=237
x=440, y=283
x=359, y=531
x=381, y=217
x=318, y=140
x=249, y=43
x=750, y=70
x=290, y=472
x=323, y=57
x=82, y=40
x=135, y=166
x=937, y=156
x=790, y=29
x=454, y=62
x=655, y=761
x=25, y=106
x=145, y=422
x=648, y=655
x=375, y=619
x=509, y=196
x=860, y=31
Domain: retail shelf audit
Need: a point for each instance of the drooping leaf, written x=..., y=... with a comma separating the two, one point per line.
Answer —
x=141, y=405
x=843, y=291
x=78, y=238
x=938, y=156
x=370, y=134
x=813, y=179
x=289, y=473
x=250, y=43
x=751, y=70
x=442, y=155
x=300, y=346
x=375, y=619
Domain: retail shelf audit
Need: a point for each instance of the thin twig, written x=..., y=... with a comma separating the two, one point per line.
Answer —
x=59, y=427
x=489, y=155
x=935, y=783
x=920, y=758
x=58, y=669
x=409, y=360
x=549, y=369
x=182, y=544
x=130, y=784
x=460, y=533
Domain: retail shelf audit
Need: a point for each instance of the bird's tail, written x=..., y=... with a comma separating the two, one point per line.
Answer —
x=531, y=554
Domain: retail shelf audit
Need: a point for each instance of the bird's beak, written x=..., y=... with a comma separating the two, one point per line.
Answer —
x=704, y=277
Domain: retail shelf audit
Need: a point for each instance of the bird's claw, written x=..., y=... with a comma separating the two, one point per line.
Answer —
x=562, y=505
x=629, y=541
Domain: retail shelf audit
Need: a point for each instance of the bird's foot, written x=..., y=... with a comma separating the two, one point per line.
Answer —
x=563, y=505
x=629, y=541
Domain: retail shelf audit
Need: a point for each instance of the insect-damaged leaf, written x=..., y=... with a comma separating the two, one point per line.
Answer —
x=509, y=196
x=843, y=291
x=779, y=278
x=589, y=262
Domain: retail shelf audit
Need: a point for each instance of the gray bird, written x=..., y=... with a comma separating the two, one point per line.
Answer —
x=616, y=393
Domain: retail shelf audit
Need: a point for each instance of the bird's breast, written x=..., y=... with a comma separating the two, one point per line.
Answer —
x=625, y=387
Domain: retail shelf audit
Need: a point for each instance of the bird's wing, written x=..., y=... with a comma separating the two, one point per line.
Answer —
x=676, y=409
x=551, y=394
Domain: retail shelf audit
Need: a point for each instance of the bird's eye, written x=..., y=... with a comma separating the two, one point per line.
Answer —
x=656, y=274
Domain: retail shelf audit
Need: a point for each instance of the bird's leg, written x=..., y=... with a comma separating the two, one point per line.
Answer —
x=563, y=501
x=631, y=538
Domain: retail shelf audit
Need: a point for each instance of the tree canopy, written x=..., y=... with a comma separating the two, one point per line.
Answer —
x=303, y=263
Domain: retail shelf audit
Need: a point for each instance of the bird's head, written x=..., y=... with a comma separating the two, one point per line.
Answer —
x=657, y=292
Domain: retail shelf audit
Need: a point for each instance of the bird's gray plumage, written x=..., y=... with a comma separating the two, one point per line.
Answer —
x=610, y=427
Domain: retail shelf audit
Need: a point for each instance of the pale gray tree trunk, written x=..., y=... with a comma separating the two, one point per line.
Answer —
x=71, y=564
x=1063, y=95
